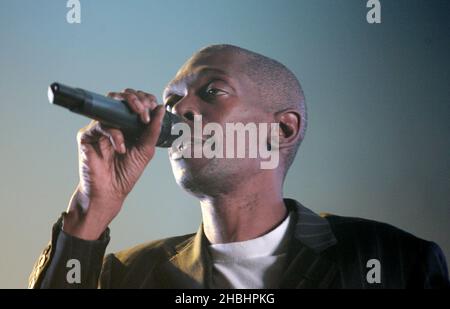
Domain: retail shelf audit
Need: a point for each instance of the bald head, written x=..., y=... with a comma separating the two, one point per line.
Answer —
x=278, y=87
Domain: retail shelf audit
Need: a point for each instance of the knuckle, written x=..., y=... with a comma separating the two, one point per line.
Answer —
x=129, y=90
x=80, y=135
x=151, y=97
x=148, y=96
x=84, y=130
x=131, y=97
x=83, y=135
x=141, y=96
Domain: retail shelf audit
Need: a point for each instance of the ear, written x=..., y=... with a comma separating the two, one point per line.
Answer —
x=290, y=124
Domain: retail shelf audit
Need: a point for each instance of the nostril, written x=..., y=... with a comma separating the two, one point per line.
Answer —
x=189, y=116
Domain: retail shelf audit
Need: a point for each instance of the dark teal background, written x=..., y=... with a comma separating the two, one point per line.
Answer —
x=377, y=146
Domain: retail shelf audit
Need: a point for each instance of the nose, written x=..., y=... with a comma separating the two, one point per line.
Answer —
x=186, y=108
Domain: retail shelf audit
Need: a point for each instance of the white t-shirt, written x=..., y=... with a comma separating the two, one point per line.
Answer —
x=253, y=264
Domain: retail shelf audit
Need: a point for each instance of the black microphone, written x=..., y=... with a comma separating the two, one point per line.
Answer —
x=108, y=111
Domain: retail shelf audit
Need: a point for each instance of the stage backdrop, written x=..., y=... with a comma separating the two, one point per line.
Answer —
x=378, y=140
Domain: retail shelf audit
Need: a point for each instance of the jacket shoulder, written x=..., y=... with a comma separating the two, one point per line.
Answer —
x=343, y=226
x=161, y=248
x=370, y=235
x=134, y=266
x=406, y=260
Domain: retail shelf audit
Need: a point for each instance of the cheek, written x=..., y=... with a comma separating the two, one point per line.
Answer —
x=230, y=114
x=221, y=111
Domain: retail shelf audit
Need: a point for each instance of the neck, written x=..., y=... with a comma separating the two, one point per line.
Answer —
x=250, y=210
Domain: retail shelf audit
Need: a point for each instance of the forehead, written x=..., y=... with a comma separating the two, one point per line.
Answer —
x=219, y=65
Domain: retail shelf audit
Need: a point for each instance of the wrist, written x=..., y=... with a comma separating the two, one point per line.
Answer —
x=84, y=227
x=88, y=219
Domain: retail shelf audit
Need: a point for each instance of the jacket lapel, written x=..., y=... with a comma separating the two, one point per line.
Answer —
x=308, y=270
x=309, y=266
x=190, y=267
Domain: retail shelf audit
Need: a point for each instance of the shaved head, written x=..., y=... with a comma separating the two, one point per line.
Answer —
x=278, y=87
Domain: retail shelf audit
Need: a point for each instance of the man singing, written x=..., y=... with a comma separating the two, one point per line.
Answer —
x=250, y=235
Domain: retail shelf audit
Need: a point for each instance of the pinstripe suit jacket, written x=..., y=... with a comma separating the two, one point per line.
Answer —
x=325, y=252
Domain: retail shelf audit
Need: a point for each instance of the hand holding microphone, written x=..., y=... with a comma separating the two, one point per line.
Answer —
x=109, y=165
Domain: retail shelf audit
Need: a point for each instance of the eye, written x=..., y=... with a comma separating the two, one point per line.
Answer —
x=214, y=91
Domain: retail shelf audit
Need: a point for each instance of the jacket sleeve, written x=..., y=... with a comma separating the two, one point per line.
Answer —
x=69, y=262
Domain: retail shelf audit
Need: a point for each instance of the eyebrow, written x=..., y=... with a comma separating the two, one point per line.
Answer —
x=177, y=87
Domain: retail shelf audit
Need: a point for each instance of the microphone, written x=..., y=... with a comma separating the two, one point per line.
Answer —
x=113, y=113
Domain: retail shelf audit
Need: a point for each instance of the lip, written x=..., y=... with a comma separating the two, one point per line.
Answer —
x=185, y=148
x=189, y=143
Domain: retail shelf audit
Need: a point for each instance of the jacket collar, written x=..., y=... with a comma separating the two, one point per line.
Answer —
x=309, y=265
x=310, y=229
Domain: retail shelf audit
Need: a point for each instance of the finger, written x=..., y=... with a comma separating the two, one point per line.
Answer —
x=115, y=95
x=129, y=90
x=132, y=100
x=137, y=106
x=96, y=133
x=85, y=142
x=149, y=137
x=139, y=94
x=116, y=137
x=91, y=141
x=104, y=141
x=88, y=134
x=148, y=99
x=138, y=101
x=149, y=102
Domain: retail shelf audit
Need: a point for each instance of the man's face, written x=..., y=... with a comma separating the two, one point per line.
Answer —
x=212, y=85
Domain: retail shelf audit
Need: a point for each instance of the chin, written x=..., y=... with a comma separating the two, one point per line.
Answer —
x=189, y=174
x=209, y=177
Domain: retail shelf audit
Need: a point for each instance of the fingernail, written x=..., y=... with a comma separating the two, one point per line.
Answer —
x=147, y=116
x=123, y=149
